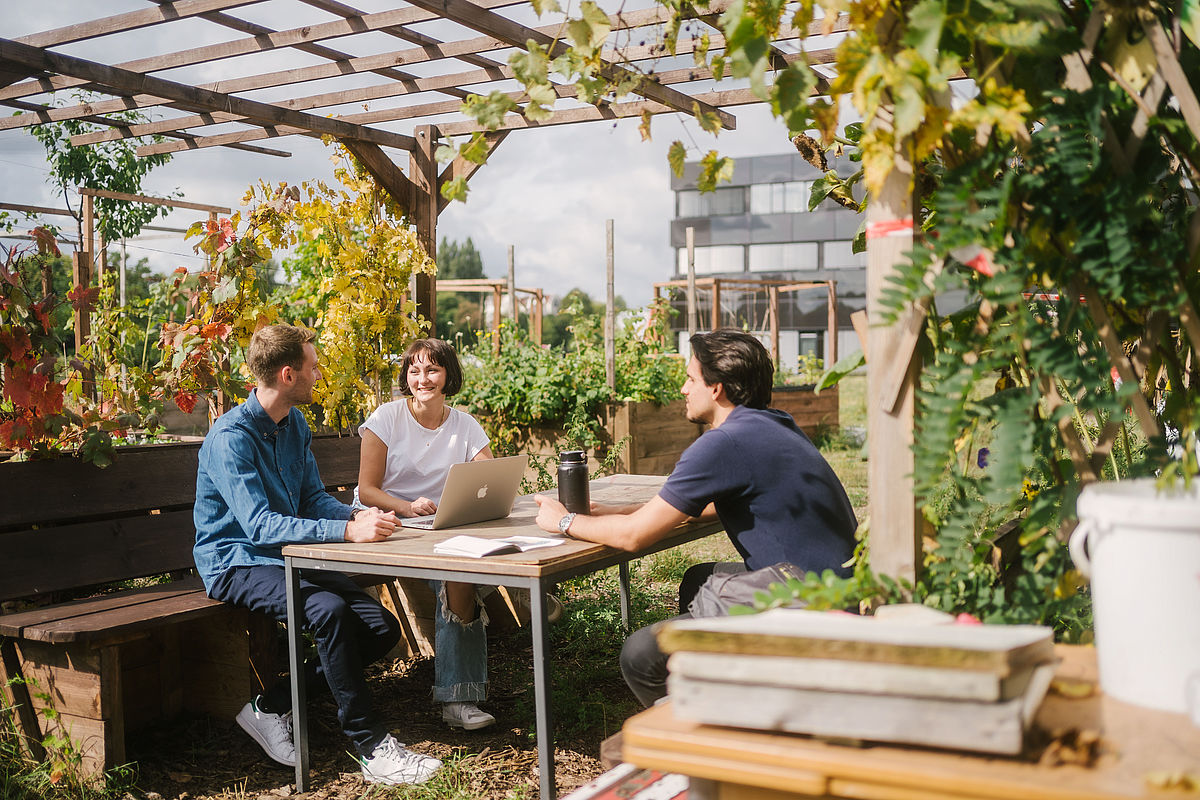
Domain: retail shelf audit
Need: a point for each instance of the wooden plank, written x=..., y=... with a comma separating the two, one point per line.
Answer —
x=15, y=624
x=16, y=694
x=130, y=620
x=66, y=678
x=132, y=20
x=261, y=40
x=138, y=479
x=101, y=552
x=96, y=740
x=154, y=201
x=122, y=80
x=337, y=459
x=1000, y=649
x=859, y=677
x=961, y=724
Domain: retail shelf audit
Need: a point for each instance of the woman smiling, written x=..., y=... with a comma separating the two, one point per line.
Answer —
x=408, y=447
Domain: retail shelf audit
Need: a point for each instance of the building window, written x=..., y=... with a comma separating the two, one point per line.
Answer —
x=779, y=198
x=839, y=255
x=719, y=203
x=780, y=257
x=714, y=260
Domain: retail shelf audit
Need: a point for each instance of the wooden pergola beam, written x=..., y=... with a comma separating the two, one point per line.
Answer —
x=129, y=21
x=154, y=201
x=733, y=97
x=265, y=39
x=261, y=40
x=385, y=171
x=124, y=80
x=516, y=35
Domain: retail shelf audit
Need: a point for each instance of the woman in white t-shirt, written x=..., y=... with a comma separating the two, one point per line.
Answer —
x=408, y=447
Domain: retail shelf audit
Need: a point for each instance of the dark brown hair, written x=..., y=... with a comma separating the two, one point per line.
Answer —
x=274, y=347
x=737, y=361
x=438, y=352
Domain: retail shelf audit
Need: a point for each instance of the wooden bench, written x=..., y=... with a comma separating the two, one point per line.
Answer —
x=112, y=662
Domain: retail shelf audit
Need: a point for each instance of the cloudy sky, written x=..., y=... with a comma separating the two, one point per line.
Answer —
x=545, y=192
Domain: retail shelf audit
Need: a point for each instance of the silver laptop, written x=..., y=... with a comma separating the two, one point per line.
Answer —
x=476, y=491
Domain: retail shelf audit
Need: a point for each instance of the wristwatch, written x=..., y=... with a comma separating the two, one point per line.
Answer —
x=354, y=513
x=565, y=523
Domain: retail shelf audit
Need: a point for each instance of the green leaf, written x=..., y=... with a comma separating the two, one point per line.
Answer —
x=545, y=6
x=488, y=111
x=590, y=30
x=532, y=65
x=445, y=153
x=924, y=29
x=455, y=189
x=676, y=155
x=1189, y=18
x=790, y=93
x=844, y=366
x=714, y=168
x=226, y=290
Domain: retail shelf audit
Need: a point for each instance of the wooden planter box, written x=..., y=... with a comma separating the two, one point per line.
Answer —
x=810, y=410
x=657, y=437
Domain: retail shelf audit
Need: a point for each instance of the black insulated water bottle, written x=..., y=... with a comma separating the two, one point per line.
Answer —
x=573, y=481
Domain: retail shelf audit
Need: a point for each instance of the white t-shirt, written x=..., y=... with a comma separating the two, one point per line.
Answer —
x=418, y=458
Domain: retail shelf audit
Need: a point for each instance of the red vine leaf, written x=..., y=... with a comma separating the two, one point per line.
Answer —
x=83, y=299
x=186, y=401
x=46, y=243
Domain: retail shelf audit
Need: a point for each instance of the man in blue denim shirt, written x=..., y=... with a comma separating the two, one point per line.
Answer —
x=258, y=489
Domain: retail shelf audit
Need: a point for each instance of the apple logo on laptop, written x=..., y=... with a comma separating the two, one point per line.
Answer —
x=482, y=491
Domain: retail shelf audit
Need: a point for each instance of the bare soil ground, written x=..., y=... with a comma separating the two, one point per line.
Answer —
x=211, y=759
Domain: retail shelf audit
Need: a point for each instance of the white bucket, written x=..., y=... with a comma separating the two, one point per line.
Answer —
x=1141, y=549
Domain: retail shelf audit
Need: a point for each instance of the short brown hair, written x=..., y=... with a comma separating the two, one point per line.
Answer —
x=438, y=352
x=274, y=347
x=737, y=361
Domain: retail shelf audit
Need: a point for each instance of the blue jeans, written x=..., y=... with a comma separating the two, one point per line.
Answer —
x=460, y=653
x=351, y=630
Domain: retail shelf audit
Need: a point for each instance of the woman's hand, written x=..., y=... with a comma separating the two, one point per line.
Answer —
x=421, y=507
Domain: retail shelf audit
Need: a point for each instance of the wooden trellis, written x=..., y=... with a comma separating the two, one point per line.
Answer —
x=773, y=288
x=535, y=301
x=474, y=59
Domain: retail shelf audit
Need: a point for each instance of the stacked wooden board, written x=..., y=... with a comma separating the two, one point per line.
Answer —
x=972, y=687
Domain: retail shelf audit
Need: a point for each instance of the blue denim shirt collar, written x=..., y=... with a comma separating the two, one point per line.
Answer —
x=261, y=420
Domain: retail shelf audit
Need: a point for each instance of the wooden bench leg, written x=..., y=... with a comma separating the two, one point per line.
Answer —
x=412, y=603
x=18, y=695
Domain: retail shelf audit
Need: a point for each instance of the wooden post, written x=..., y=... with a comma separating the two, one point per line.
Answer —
x=512, y=287
x=497, y=301
x=716, y=304
x=423, y=174
x=895, y=521
x=773, y=313
x=537, y=317
x=610, y=311
x=691, y=282
x=88, y=211
x=831, y=347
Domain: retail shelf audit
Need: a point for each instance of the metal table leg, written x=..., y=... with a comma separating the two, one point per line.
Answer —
x=541, y=691
x=296, y=671
x=623, y=574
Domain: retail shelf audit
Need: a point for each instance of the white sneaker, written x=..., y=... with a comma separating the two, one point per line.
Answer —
x=467, y=716
x=273, y=732
x=391, y=764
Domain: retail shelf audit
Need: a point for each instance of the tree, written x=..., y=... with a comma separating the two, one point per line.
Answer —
x=458, y=314
x=113, y=166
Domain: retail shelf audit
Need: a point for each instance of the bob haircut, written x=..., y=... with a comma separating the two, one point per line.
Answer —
x=437, y=352
x=274, y=347
x=737, y=361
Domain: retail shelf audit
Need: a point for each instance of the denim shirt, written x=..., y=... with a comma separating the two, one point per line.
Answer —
x=257, y=489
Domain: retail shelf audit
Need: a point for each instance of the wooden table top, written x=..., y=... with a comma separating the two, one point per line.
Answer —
x=1137, y=748
x=414, y=548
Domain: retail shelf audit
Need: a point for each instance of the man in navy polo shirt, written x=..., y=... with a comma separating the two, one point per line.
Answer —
x=779, y=500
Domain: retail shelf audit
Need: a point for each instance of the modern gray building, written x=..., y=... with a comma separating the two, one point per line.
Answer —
x=758, y=226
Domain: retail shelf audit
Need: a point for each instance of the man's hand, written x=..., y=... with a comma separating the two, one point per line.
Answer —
x=550, y=511
x=371, y=525
x=421, y=507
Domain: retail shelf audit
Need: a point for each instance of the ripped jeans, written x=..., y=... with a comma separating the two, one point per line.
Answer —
x=460, y=657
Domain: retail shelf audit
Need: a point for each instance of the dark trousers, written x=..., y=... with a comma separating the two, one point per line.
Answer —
x=351, y=630
x=643, y=664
